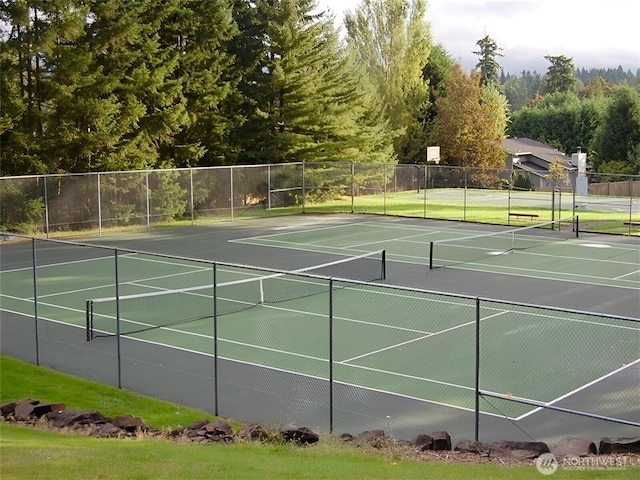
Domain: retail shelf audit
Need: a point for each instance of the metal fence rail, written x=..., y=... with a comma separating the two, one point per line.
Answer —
x=528, y=371
x=48, y=204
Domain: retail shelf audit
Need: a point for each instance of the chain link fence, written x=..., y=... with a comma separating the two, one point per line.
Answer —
x=54, y=204
x=334, y=354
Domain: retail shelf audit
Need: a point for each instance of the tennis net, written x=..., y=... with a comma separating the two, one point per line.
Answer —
x=457, y=251
x=129, y=314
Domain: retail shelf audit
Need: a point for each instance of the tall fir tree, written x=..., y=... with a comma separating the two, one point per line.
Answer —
x=304, y=99
x=488, y=65
x=39, y=71
x=201, y=31
x=138, y=78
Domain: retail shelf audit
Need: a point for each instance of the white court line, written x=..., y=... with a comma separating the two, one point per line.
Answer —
x=572, y=392
x=70, y=262
x=539, y=274
x=397, y=239
x=133, y=282
x=626, y=275
x=306, y=230
x=473, y=322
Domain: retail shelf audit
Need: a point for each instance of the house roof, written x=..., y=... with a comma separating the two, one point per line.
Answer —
x=528, y=147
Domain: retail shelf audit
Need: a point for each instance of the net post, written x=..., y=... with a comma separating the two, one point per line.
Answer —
x=431, y=255
x=384, y=264
x=89, y=315
x=577, y=226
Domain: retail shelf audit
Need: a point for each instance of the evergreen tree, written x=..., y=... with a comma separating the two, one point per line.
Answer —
x=560, y=75
x=488, y=63
x=201, y=31
x=37, y=75
x=308, y=102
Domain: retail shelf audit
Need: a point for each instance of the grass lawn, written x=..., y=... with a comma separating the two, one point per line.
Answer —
x=28, y=453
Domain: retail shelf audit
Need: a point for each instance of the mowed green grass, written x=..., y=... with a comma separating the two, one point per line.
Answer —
x=28, y=453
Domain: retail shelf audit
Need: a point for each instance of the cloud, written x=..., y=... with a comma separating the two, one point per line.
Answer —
x=599, y=34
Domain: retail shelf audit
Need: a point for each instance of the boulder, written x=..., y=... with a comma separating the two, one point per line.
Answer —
x=253, y=431
x=304, y=435
x=130, y=423
x=471, y=446
x=423, y=442
x=441, y=440
x=107, y=430
x=574, y=447
x=619, y=445
x=517, y=450
x=71, y=418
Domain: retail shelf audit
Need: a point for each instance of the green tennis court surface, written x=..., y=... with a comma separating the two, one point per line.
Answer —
x=419, y=345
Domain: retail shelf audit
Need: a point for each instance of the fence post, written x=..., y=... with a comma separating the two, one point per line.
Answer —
x=477, y=407
x=331, y=355
x=35, y=297
x=353, y=181
x=191, y=194
x=215, y=339
x=231, y=191
x=384, y=181
x=46, y=207
x=117, y=279
x=99, y=205
x=304, y=174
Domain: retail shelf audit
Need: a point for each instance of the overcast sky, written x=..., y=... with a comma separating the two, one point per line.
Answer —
x=601, y=34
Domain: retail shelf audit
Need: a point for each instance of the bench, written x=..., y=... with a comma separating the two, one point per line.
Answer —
x=634, y=223
x=530, y=215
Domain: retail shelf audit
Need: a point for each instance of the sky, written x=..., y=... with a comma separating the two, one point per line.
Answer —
x=595, y=34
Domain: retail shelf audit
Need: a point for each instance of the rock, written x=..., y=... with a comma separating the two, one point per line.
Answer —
x=304, y=435
x=619, y=445
x=24, y=409
x=70, y=418
x=518, y=450
x=7, y=409
x=471, y=446
x=217, y=431
x=423, y=442
x=574, y=447
x=130, y=423
x=253, y=431
x=441, y=440
x=107, y=430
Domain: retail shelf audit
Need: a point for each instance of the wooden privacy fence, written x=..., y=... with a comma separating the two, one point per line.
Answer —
x=616, y=189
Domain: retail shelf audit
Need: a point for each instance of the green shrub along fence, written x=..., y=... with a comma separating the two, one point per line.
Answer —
x=53, y=204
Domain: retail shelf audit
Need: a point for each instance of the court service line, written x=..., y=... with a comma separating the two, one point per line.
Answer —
x=571, y=257
x=539, y=274
x=420, y=338
x=58, y=264
x=306, y=375
x=305, y=247
x=197, y=352
x=396, y=239
x=302, y=231
x=586, y=385
x=620, y=277
x=132, y=282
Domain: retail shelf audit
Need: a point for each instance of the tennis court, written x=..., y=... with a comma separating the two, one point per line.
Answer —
x=384, y=337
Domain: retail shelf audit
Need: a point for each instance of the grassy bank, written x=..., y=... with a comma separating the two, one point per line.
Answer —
x=27, y=453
